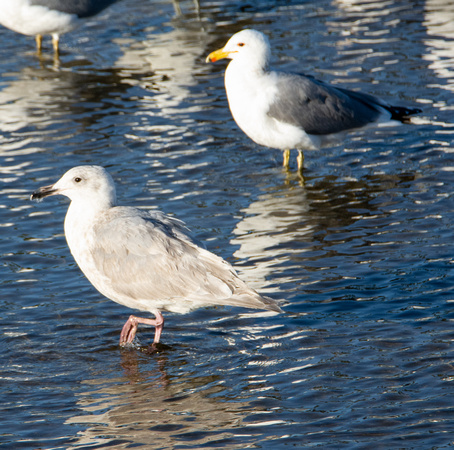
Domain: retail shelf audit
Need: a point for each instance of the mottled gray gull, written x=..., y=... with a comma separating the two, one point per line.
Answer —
x=54, y=17
x=287, y=110
x=145, y=260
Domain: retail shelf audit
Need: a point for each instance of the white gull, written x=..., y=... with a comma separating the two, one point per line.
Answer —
x=54, y=17
x=292, y=111
x=145, y=260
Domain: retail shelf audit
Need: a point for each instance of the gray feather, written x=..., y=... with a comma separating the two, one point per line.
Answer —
x=321, y=109
x=81, y=8
x=148, y=255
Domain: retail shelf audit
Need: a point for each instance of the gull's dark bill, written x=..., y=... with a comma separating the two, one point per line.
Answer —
x=42, y=192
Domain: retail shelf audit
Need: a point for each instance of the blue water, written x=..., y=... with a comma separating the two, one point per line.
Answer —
x=360, y=250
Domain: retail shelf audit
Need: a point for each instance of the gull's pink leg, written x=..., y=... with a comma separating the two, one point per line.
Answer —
x=159, y=326
x=128, y=333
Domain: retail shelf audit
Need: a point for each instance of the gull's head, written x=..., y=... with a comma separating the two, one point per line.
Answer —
x=249, y=46
x=89, y=184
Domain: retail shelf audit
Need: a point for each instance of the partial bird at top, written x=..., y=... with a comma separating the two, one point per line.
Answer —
x=143, y=259
x=292, y=111
x=54, y=17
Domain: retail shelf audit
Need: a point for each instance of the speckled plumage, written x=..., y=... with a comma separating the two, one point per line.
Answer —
x=143, y=259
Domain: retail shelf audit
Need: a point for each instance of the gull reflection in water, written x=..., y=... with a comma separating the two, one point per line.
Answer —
x=439, y=21
x=33, y=98
x=167, y=65
x=270, y=234
x=150, y=408
x=172, y=56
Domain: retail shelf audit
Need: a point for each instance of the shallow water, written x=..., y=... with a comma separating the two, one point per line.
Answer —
x=361, y=250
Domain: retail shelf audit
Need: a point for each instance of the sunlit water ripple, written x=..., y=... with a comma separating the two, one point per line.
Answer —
x=360, y=250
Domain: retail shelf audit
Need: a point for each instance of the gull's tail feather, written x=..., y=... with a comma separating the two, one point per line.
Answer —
x=402, y=114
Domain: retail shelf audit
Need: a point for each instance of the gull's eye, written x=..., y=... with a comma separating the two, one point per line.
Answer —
x=241, y=44
x=77, y=179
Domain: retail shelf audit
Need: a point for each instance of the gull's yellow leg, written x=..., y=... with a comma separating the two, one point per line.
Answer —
x=55, y=41
x=39, y=42
x=286, y=158
x=300, y=160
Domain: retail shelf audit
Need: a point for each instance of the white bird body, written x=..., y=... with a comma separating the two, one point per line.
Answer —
x=29, y=19
x=247, y=101
x=140, y=242
x=42, y=17
x=143, y=259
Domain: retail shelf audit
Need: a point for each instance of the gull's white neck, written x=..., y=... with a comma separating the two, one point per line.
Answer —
x=243, y=82
x=248, y=66
x=250, y=91
x=80, y=219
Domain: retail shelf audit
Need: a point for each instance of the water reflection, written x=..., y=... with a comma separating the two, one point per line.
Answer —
x=41, y=98
x=179, y=5
x=172, y=58
x=361, y=252
x=268, y=230
x=286, y=226
x=439, y=20
x=147, y=406
x=81, y=90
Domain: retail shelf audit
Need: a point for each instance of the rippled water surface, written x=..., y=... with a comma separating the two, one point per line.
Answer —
x=360, y=250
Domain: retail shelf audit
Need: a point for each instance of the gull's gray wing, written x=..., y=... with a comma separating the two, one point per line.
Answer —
x=81, y=8
x=151, y=256
x=319, y=108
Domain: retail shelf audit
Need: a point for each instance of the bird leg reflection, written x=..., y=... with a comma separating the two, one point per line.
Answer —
x=128, y=333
